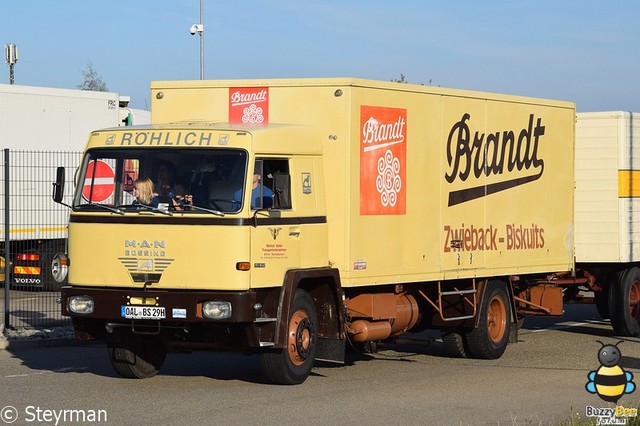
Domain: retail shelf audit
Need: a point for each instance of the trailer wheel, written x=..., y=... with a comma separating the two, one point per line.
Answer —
x=137, y=357
x=292, y=365
x=624, y=297
x=454, y=343
x=490, y=338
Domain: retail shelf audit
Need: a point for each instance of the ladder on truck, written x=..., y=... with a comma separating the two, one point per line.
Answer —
x=442, y=295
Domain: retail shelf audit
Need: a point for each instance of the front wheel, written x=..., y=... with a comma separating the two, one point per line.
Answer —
x=137, y=357
x=624, y=302
x=490, y=338
x=292, y=365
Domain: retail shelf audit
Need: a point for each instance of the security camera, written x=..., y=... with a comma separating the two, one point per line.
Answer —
x=196, y=28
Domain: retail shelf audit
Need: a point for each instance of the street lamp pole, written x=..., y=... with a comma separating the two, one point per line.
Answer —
x=199, y=29
x=201, y=40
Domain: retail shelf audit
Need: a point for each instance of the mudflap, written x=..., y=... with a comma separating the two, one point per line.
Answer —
x=331, y=350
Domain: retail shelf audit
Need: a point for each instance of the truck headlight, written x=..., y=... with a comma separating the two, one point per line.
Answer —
x=59, y=267
x=81, y=304
x=216, y=309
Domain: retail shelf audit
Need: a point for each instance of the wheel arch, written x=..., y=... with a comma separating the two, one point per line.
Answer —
x=323, y=285
x=506, y=281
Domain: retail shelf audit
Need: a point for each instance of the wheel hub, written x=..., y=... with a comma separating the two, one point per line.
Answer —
x=496, y=321
x=300, y=337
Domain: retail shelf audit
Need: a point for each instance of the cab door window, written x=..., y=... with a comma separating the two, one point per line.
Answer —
x=270, y=186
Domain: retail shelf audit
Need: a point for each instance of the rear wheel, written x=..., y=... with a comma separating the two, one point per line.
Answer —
x=137, y=357
x=624, y=302
x=454, y=343
x=292, y=365
x=490, y=338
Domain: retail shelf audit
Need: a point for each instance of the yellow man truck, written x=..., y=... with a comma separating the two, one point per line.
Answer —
x=323, y=212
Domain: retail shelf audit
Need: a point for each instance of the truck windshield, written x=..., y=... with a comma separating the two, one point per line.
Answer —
x=160, y=180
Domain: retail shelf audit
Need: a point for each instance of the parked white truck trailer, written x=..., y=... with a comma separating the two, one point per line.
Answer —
x=607, y=213
x=44, y=121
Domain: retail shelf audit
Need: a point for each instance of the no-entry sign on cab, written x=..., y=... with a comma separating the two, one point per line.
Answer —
x=98, y=182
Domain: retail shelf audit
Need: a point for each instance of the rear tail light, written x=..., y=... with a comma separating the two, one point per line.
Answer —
x=28, y=257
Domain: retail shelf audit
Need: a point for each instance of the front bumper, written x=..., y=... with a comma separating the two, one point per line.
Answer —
x=250, y=325
x=182, y=306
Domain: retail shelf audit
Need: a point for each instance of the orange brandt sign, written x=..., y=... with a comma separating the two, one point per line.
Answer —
x=249, y=106
x=383, y=142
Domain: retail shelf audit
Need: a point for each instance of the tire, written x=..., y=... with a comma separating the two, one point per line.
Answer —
x=624, y=302
x=454, y=343
x=292, y=365
x=47, y=253
x=137, y=357
x=490, y=338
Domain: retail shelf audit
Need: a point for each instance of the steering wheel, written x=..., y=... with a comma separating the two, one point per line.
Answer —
x=213, y=202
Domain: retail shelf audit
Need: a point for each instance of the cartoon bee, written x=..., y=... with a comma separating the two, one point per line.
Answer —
x=610, y=381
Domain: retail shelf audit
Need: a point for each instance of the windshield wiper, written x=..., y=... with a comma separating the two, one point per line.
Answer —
x=203, y=209
x=139, y=206
x=103, y=206
x=153, y=209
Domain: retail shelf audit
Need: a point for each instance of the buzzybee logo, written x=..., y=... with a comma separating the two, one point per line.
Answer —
x=497, y=153
x=610, y=381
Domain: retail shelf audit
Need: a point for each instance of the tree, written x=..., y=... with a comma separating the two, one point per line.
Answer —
x=404, y=80
x=92, y=80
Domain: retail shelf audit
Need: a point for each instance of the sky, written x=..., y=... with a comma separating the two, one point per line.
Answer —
x=584, y=51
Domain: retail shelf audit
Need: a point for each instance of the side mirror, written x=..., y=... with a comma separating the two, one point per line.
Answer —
x=58, y=185
x=281, y=191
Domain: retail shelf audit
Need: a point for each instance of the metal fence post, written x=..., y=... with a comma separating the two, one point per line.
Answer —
x=7, y=245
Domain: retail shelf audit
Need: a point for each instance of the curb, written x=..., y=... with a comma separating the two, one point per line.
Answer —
x=9, y=345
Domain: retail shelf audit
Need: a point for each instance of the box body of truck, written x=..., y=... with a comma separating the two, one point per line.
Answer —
x=391, y=207
x=428, y=169
x=46, y=122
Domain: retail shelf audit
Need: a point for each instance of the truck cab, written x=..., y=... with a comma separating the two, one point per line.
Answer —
x=232, y=214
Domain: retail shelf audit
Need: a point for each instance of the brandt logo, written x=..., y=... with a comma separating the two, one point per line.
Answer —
x=498, y=153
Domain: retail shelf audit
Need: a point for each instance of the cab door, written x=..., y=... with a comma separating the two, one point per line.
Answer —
x=275, y=229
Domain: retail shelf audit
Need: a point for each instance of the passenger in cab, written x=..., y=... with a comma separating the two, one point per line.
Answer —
x=259, y=192
x=143, y=191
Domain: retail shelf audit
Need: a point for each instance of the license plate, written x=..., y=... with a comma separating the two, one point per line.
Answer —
x=142, y=312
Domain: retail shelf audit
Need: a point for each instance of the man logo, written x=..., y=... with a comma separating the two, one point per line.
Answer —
x=146, y=265
x=275, y=232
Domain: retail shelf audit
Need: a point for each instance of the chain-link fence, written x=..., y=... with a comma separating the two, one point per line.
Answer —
x=33, y=228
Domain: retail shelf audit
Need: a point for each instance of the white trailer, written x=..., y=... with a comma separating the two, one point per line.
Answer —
x=607, y=212
x=40, y=127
